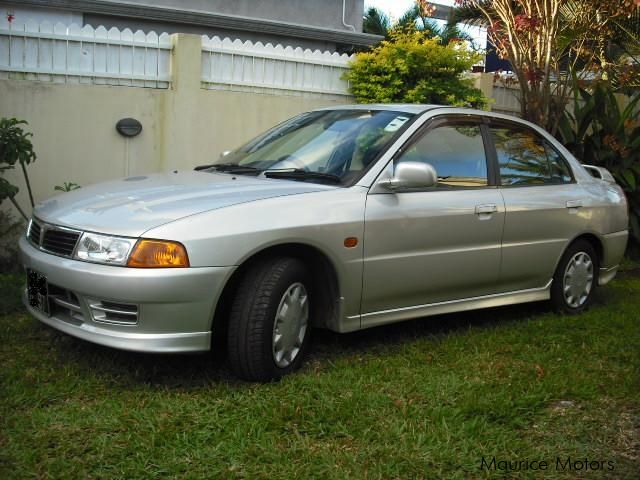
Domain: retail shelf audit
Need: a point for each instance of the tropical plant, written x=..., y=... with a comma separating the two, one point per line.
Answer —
x=601, y=132
x=376, y=22
x=413, y=68
x=549, y=41
x=15, y=148
x=418, y=16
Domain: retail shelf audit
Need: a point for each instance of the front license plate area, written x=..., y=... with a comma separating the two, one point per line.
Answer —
x=38, y=291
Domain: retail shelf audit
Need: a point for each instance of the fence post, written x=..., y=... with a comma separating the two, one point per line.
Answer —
x=178, y=137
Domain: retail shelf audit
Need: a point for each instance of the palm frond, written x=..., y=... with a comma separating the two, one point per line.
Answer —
x=376, y=22
x=409, y=17
x=468, y=15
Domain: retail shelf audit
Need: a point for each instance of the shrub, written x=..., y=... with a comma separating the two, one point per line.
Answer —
x=412, y=68
x=15, y=147
x=600, y=132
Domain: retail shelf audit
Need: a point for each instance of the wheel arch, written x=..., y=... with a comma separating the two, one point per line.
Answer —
x=590, y=237
x=325, y=286
x=593, y=239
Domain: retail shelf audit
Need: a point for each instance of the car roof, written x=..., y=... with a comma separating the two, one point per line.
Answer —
x=415, y=108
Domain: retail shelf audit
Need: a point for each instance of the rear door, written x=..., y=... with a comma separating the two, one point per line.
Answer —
x=545, y=207
x=436, y=244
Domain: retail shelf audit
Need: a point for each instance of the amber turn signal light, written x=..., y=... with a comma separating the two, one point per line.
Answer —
x=351, y=242
x=158, y=254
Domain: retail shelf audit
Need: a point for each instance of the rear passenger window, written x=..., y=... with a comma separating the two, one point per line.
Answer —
x=559, y=169
x=525, y=158
x=456, y=151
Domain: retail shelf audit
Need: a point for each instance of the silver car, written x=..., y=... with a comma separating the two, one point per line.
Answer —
x=343, y=218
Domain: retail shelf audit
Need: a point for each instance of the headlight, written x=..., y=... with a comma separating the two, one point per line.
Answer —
x=104, y=249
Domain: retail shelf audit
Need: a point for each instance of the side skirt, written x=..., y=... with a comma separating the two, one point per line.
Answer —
x=384, y=317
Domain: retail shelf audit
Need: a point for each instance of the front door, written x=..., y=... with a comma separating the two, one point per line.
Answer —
x=438, y=244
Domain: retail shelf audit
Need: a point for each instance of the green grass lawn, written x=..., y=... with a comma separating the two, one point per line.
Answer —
x=422, y=399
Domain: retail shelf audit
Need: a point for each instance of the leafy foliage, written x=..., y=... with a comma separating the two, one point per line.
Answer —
x=15, y=148
x=412, y=68
x=418, y=17
x=600, y=132
x=15, y=145
x=376, y=22
x=66, y=187
x=548, y=41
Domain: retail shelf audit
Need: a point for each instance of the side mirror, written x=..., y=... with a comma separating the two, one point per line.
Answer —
x=411, y=175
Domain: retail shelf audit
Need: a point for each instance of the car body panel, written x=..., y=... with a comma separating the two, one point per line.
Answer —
x=132, y=205
x=175, y=306
x=322, y=220
x=427, y=254
x=538, y=227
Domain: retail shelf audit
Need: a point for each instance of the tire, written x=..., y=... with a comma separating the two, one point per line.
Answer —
x=269, y=323
x=575, y=278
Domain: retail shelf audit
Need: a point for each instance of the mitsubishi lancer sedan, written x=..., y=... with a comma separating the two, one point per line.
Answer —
x=343, y=218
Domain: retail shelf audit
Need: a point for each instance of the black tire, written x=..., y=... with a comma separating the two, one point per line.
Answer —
x=559, y=300
x=253, y=313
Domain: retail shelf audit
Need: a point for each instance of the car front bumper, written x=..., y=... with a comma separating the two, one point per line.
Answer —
x=162, y=310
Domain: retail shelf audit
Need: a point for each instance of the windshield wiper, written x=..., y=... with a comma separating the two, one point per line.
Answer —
x=299, y=174
x=229, y=168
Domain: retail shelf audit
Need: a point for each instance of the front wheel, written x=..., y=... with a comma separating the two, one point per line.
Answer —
x=269, y=323
x=575, y=278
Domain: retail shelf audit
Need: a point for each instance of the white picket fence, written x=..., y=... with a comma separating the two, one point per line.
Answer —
x=247, y=66
x=72, y=54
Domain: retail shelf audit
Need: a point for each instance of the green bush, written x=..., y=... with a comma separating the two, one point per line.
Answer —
x=600, y=132
x=412, y=68
x=15, y=148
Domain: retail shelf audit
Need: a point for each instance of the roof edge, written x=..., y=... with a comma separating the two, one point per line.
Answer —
x=207, y=19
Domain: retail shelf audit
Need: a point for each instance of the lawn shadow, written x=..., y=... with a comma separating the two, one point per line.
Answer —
x=188, y=372
x=327, y=343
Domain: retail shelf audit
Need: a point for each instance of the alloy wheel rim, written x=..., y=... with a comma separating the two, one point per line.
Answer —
x=290, y=325
x=578, y=280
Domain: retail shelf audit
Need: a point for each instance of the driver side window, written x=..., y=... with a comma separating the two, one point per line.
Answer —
x=456, y=151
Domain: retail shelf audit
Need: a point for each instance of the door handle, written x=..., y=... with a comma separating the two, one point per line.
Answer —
x=487, y=208
x=574, y=203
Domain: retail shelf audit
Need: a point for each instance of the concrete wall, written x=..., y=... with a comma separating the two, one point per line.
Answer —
x=74, y=125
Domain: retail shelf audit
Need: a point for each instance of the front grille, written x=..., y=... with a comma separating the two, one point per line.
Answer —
x=34, y=233
x=61, y=242
x=53, y=239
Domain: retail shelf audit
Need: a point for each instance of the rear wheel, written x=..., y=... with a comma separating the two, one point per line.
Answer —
x=269, y=323
x=575, y=278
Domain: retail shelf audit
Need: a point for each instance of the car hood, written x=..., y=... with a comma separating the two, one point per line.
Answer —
x=133, y=205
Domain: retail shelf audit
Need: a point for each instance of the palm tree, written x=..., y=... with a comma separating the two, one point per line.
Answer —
x=616, y=38
x=378, y=23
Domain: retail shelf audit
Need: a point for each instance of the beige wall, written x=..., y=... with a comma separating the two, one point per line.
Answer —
x=74, y=132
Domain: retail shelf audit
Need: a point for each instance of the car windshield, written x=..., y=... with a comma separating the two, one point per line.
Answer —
x=333, y=145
